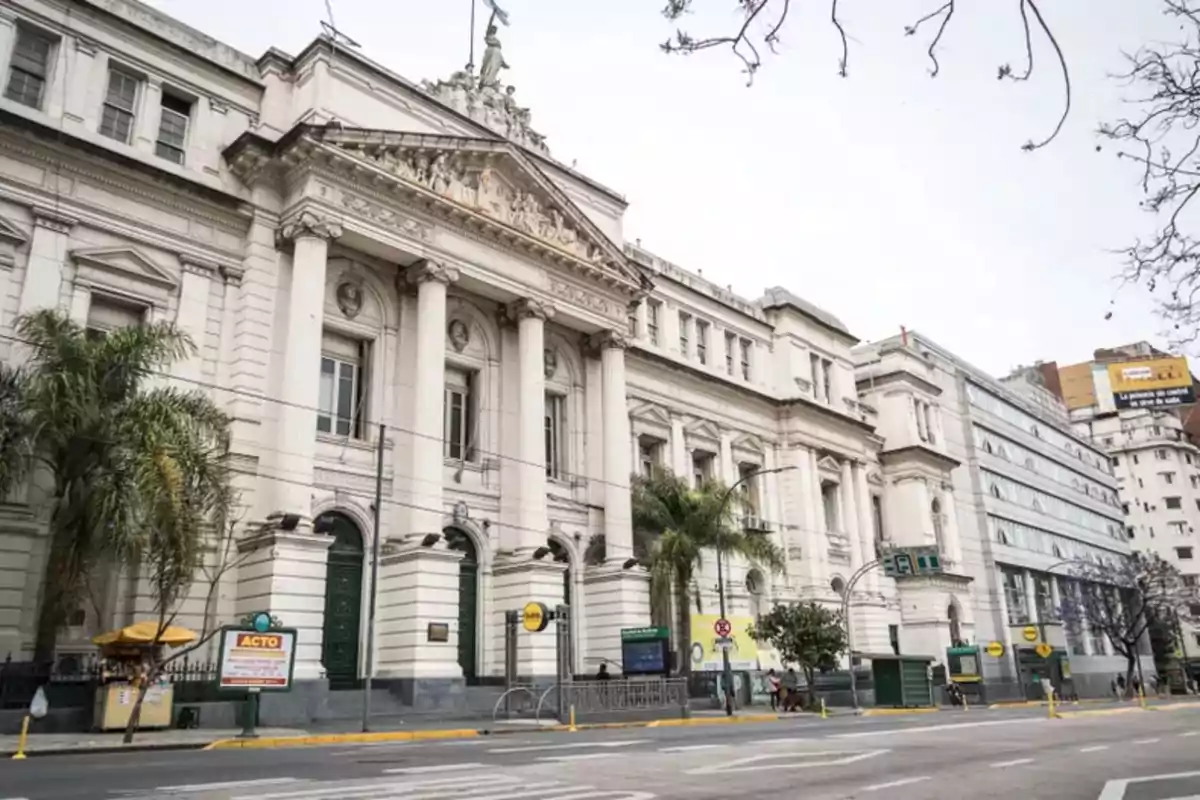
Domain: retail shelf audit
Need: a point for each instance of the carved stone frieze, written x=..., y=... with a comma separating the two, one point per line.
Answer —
x=585, y=299
x=310, y=224
x=385, y=216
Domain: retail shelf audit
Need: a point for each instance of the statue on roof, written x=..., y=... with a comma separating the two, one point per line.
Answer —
x=493, y=60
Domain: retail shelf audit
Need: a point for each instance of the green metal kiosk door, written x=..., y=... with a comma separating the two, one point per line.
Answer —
x=468, y=596
x=343, y=602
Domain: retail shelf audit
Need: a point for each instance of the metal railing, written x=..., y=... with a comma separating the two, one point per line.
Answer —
x=71, y=683
x=601, y=697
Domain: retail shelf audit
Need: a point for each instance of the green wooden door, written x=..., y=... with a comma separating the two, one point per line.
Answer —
x=343, y=602
x=468, y=598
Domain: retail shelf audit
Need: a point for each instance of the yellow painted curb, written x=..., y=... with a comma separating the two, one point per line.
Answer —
x=679, y=723
x=1100, y=712
x=271, y=742
x=1174, y=706
x=896, y=712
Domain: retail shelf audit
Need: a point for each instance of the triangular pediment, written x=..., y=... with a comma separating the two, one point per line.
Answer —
x=11, y=234
x=749, y=442
x=493, y=182
x=650, y=412
x=126, y=262
x=874, y=479
x=829, y=464
x=703, y=429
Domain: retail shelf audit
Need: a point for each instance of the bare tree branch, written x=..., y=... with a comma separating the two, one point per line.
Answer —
x=1161, y=138
x=741, y=41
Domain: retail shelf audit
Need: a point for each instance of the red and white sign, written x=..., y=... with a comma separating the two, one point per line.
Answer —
x=252, y=660
x=722, y=627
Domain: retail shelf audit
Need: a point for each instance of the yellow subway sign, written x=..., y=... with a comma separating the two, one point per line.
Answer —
x=535, y=617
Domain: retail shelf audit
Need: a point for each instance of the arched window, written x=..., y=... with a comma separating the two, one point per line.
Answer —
x=754, y=588
x=955, y=624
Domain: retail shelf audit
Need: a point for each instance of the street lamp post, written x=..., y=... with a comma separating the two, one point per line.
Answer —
x=726, y=668
x=846, y=594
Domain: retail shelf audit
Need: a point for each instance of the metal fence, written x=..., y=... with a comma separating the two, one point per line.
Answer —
x=597, y=697
x=72, y=684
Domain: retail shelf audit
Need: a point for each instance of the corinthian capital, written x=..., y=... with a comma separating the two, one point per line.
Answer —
x=610, y=339
x=529, y=308
x=427, y=270
x=310, y=224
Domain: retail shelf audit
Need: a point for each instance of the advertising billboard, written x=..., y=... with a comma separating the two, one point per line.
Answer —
x=1151, y=383
x=744, y=652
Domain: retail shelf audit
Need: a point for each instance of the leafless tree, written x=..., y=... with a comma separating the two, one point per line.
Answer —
x=761, y=23
x=1160, y=135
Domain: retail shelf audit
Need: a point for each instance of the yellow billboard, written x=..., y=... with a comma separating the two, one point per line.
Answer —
x=744, y=652
x=1151, y=383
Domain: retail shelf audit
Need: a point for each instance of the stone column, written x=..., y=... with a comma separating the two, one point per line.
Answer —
x=679, y=451
x=846, y=493
x=532, y=521
x=47, y=256
x=727, y=470
x=81, y=303
x=618, y=519
x=296, y=435
x=866, y=525
x=952, y=533
x=1030, y=596
x=798, y=498
x=428, y=398
x=192, y=318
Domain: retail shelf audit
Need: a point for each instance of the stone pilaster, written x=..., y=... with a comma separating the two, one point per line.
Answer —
x=618, y=516
x=616, y=598
x=309, y=234
x=192, y=317
x=47, y=256
x=517, y=580
x=418, y=586
x=429, y=382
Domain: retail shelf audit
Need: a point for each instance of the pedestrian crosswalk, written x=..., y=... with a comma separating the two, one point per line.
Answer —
x=475, y=786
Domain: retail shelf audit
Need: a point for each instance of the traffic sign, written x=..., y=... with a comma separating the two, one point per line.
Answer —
x=725, y=643
x=1044, y=650
x=535, y=617
x=995, y=649
x=722, y=627
x=1030, y=632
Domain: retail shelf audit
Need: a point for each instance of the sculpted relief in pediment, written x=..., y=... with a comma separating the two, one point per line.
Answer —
x=494, y=185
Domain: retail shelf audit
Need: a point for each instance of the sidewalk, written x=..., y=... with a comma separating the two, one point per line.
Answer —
x=47, y=743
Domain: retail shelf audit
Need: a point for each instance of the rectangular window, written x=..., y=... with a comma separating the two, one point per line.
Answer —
x=30, y=67
x=109, y=314
x=1014, y=597
x=1044, y=597
x=652, y=309
x=1181, y=528
x=116, y=118
x=749, y=488
x=555, y=428
x=685, y=324
x=173, y=128
x=814, y=363
x=1160, y=454
x=827, y=380
x=877, y=516
x=341, y=406
x=1168, y=477
x=702, y=468
x=1173, y=502
x=647, y=456
x=702, y=341
x=730, y=344
x=631, y=319
x=459, y=415
x=1195, y=481
x=745, y=345
x=1116, y=462
x=1183, y=553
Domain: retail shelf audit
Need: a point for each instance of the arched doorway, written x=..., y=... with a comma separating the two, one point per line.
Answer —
x=468, y=602
x=343, y=599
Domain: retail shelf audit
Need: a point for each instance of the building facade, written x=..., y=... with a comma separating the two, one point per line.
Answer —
x=1028, y=497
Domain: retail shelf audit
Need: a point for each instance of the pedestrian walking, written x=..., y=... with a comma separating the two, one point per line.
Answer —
x=791, y=683
x=774, y=687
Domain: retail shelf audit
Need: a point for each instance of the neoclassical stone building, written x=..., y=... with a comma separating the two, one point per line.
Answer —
x=358, y=256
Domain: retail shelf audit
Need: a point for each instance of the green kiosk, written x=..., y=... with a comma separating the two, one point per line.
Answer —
x=901, y=681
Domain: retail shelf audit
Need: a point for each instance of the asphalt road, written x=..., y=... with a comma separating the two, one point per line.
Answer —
x=979, y=754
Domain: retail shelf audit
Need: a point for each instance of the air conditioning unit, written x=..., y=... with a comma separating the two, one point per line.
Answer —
x=752, y=522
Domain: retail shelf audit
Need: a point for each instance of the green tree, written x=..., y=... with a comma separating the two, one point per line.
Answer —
x=673, y=527
x=807, y=634
x=129, y=467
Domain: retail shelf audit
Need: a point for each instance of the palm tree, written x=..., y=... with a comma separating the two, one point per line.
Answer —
x=118, y=455
x=673, y=525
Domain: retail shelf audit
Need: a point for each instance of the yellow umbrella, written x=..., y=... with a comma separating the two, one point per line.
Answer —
x=144, y=633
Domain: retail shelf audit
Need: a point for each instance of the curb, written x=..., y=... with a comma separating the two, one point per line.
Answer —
x=106, y=750
x=1101, y=712
x=1174, y=706
x=272, y=742
x=898, y=712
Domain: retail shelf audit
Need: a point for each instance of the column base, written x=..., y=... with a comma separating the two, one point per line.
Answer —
x=418, y=586
x=517, y=580
x=283, y=573
x=617, y=598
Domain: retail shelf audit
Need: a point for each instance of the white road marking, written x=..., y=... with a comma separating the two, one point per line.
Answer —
x=541, y=748
x=1013, y=763
x=1094, y=748
x=1146, y=741
x=433, y=768
x=894, y=784
x=687, y=748
x=1115, y=790
x=936, y=728
x=498, y=787
x=1189, y=733
x=795, y=761
x=578, y=757
x=212, y=787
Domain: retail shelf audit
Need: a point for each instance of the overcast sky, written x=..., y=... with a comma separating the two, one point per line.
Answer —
x=888, y=198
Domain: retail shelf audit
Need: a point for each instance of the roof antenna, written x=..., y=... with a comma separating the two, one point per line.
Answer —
x=336, y=37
